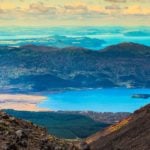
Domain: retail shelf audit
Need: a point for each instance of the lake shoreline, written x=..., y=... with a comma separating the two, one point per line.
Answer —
x=74, y=100
x=32, y=101
x=21, y=102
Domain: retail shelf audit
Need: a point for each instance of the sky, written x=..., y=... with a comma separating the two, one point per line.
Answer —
x=74, y=12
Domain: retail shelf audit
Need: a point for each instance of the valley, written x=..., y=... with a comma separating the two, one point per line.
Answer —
x=74, y=74
x=74, y=93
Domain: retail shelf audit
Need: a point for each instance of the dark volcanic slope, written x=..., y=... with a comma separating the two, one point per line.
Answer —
x=16, y=134
x=132, y=133
x=39, y=68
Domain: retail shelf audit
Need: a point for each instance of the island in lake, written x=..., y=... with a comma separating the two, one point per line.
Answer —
x=143, y=96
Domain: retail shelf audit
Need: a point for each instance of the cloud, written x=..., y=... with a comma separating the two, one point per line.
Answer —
x=48, y=12
x=41, y=8
x=116, y=1
x=113, y=7
x=143, y=1
x=137, y=10
x=81, y=11
x=38, y=7
x=78, y=7
x=1, y=11
x=72, y=9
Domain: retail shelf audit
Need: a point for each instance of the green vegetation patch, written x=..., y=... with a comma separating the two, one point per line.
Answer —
x=62, y=125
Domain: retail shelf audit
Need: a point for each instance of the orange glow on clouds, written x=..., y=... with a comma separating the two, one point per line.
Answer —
x=79, y=12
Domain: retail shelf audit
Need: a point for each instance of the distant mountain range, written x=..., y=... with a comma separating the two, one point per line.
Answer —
x=132, y=133
x=33, y=68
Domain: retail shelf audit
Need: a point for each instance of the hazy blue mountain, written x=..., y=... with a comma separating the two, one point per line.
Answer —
x=88, y=37
x=40, y=68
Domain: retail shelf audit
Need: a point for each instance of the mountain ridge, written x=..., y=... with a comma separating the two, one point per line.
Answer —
x=38, y=68
x=132, y=133
x=125, y=48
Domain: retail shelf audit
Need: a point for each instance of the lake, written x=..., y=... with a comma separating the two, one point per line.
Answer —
x=100, y=100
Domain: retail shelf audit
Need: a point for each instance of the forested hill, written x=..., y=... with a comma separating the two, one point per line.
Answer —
x=40, y=68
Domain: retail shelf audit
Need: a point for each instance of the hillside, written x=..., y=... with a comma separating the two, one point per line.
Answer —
x=16, y=134
x=63, y=125
x=38, y=68
x=132, y=133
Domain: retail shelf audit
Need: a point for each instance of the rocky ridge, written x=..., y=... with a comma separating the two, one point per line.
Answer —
x=132, y=133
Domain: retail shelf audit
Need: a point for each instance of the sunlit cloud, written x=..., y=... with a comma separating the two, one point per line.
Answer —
x=25, y=12
x=137, y=10
x=116, y=1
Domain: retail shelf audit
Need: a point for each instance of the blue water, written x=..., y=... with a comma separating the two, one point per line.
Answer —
x=100, y=100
